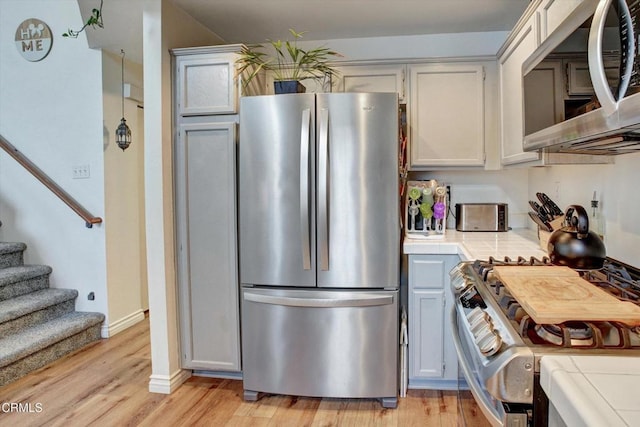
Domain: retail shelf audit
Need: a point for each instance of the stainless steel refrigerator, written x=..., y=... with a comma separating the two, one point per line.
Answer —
x=319, y=245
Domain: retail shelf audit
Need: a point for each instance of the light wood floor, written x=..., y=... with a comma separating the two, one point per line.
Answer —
x=106, y=384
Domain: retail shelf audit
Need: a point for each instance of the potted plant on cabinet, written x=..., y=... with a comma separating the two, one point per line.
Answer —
x=288, y=63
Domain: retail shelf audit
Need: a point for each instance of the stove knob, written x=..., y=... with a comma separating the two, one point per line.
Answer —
x=482, y=332
x=474, y=314
x=458, y=282
x=490, y=343
x=481, y=328
x=457, y=269
x=479, y=321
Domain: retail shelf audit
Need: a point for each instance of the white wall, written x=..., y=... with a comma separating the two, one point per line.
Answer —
x=164, y=27
x=420, y=46
x=507, y=186
x=51, y=110
x=124, y=196
x=617, y=189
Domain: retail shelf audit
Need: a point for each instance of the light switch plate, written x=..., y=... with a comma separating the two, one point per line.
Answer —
x=81, y=172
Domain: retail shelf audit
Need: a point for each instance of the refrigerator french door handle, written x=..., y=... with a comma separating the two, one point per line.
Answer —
x=361, y=301
x=607, y=99
x=304, y=189
x=323, y=189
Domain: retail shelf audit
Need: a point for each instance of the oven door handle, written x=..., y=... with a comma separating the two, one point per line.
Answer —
x=481, y=398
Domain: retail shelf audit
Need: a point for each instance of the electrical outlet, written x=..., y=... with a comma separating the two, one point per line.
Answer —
x=81, y=172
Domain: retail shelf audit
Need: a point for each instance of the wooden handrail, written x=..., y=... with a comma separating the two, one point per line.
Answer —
x=49, y=183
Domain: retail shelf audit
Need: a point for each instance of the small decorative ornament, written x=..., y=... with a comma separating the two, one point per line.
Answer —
x=123, y=135
x=33, y=39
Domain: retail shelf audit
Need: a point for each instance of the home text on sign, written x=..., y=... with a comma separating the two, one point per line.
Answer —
x=33, y=39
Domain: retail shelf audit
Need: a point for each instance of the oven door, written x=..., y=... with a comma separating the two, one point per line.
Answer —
x=471, y=387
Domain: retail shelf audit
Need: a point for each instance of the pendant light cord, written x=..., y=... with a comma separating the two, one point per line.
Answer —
x=122, y=88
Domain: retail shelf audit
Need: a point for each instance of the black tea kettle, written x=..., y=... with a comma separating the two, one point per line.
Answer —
x=574, y=245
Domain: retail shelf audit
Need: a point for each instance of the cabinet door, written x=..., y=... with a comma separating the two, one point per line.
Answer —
x=426, y=339
x=553, y=13
x=206, y=84
x=579, y=79
x=432, y=358
x=512, y=96
x=447, y=115
x=428, y=271
x=543, y=96
x=371, y=78
x=206, y=246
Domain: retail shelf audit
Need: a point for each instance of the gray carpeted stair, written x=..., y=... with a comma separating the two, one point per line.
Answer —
x=38, y=324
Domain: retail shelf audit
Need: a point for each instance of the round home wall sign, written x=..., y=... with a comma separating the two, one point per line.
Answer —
x=33, y=39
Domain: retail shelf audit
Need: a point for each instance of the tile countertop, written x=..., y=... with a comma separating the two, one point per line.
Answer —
x=479, y=244
x=593, y=390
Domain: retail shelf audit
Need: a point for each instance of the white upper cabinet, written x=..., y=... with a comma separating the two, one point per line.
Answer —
x=371, y=78
x=447, y=115
x=543, y=96
x=512, y=94
x=579, y=79
x=535, y=101
x=205, y=84
x=552, y=13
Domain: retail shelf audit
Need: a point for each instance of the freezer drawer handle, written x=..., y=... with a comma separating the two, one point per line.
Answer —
x=362, y=301
x=304, y=189
x=323, y=189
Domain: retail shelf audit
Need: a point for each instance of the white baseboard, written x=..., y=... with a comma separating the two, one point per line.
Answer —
x=122, y=324
x=165, y=384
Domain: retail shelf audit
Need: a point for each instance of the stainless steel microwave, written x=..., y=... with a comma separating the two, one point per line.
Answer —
x=604, y=36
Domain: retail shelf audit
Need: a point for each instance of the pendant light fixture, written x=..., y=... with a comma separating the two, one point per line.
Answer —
x=123, y=133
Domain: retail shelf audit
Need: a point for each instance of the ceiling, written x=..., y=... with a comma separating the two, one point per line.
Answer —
x=255, y=21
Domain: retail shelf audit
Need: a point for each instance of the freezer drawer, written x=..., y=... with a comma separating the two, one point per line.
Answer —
x=320, y=343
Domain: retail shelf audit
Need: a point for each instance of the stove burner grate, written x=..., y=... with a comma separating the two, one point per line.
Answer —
x=576, y=334
x=616, y=278
x=603, y=335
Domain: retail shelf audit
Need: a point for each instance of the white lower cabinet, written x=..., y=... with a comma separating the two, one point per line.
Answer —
x=427, y=351
x=205, y=191
x=433, y=363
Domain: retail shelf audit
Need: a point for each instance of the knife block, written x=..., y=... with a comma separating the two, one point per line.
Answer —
x=544, y=235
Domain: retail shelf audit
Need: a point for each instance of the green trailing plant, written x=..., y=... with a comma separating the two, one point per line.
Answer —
x=95, y=20
x=289, y=61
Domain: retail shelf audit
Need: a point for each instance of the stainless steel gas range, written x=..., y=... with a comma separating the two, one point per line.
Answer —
x=499, y=345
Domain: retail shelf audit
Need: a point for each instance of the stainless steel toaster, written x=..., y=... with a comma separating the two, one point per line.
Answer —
x=482, y=217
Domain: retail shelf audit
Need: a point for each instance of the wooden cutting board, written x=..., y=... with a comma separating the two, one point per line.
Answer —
x=554, y=294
